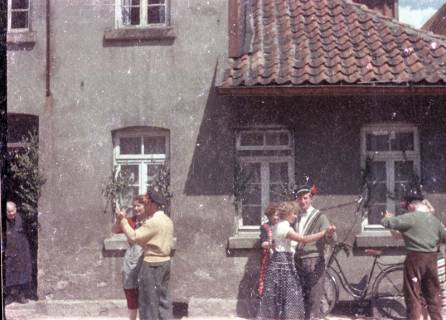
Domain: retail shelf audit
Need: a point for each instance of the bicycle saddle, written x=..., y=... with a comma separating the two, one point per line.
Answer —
x=373, y=252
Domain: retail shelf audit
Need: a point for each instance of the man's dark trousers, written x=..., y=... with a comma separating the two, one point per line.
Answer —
x=311, y=271
x=154, y=301
x=420, y=279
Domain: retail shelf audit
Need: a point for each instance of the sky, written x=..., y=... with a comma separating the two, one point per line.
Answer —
x=417, y=12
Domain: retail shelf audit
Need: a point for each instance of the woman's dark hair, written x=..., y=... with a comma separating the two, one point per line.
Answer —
x=139, y=198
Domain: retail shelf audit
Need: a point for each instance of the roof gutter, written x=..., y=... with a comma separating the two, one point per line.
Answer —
x=333, y=90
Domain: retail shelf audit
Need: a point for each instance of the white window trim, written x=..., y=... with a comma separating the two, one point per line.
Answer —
x=264, y=161
x=142, y=160
x=264, y=147
x=143, y=16
x=10, y=17
x=389, y=156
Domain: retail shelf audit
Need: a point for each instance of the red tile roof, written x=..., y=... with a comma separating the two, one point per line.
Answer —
x=437, y=23
x=327, y=42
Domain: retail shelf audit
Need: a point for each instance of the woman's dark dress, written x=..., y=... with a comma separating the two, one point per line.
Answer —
x=18, y=266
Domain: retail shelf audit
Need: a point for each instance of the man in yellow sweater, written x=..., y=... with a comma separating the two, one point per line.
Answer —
x=155, y=236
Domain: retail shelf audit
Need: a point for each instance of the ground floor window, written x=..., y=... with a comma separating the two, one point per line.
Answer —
x=141, y=156
x=264, y=168
x=390, y=156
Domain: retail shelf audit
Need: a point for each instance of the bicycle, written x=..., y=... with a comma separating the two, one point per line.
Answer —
x=385, y=292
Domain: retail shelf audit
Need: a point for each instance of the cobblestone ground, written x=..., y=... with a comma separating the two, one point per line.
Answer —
x=17, y=314
x=16, y=311
x=34, y=311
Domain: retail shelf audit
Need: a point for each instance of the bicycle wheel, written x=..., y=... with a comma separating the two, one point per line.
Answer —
x=331, y=293
x=388, y=297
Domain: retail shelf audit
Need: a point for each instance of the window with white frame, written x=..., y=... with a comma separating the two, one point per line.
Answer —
x=18, y=15
x=265, y=161
x=390, y=156
x=140, y=154
x=142, y=13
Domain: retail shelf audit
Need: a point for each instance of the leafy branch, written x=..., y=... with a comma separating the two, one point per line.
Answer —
x=117, y=185
x=24, y=172
x=161, y=183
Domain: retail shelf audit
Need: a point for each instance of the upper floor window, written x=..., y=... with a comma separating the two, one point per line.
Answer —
x=141, y=154
x=265, y=165
x=18, y=15
x=390, y=156
x=142, y=13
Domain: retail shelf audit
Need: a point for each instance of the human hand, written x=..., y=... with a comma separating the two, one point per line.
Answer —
x=387, y=214
x=331, y=230
x=120, y=215
x=266, y=245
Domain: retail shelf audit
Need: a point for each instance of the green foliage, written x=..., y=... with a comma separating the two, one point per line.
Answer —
x=115, y=190
x=241, y=182
x=25, y=174
x=161, y=183
x=240, y=185
x=287, y=192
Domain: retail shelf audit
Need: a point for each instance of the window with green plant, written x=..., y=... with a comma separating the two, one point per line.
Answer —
x=390, y=156
x=264, y=168
x=140, y=162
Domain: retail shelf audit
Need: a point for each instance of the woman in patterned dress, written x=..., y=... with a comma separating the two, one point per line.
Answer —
x=266, y=242
x=282, y=298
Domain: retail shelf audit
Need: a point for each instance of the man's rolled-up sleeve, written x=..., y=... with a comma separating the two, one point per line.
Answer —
x=141, y=235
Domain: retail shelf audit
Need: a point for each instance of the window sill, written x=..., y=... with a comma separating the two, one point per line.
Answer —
x=21, y=38
x=118, y=242
x=132, y=34
x=378, y=239
x=244, y=240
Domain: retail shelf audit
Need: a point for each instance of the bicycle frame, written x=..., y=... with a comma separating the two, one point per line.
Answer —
x=334, y=268
x=356, y=293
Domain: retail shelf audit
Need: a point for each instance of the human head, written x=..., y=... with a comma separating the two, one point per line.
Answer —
x=412, y=198
x=295, y=206
x=271, y=212
x=11, y=210
x=287, y=211
x=138, y=205
x=304, y=193
x=154, y=201
x=304, y=196
x=430, y=208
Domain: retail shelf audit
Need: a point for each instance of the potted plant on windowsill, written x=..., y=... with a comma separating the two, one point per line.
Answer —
x=118, y=194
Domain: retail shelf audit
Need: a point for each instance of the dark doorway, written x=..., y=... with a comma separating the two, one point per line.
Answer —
x=21, y=137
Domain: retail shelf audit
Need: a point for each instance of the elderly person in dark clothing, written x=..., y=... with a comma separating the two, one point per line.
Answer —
x=422, y=233
x=18, y=265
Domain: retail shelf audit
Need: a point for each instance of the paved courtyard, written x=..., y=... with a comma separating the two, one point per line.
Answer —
x=91, y=310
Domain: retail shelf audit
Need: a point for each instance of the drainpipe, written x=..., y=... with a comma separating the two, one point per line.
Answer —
x=48, y=55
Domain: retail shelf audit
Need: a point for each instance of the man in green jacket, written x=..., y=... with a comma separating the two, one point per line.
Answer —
x=422, y=233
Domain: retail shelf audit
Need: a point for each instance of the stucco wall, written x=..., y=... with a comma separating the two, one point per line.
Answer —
x=98, y=86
